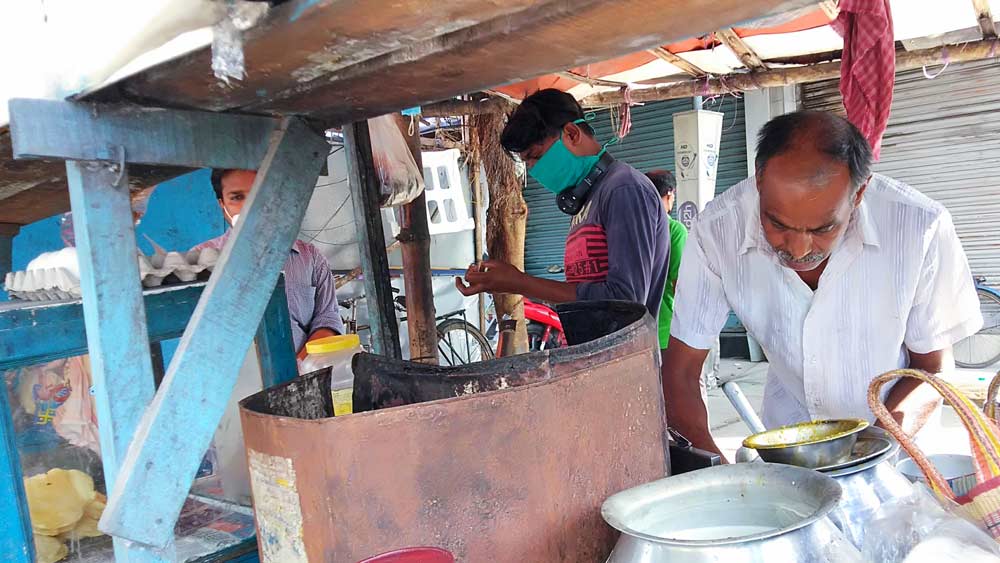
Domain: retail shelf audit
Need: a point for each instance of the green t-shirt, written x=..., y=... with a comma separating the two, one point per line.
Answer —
x=678, y=237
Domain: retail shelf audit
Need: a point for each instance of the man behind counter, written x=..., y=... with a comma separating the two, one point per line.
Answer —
x=618, y=245
x=309, y=287
x=840, y=274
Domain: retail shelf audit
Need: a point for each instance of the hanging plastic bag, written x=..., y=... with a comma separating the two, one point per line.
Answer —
x=919, y=529
x=398, y=174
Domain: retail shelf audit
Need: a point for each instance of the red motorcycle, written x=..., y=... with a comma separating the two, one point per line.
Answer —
x=545, y=330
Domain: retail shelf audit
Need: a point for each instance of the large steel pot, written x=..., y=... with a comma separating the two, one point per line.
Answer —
x=742, y=512
x=866, y=487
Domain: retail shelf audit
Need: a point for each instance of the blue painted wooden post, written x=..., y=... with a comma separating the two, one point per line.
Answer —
x=7, y=232
x=275, y=349
x=115, y=316
x=179, y=424
x=15, y=525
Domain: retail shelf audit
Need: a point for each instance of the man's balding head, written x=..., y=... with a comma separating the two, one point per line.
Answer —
x=812, y=168
x=820, y=132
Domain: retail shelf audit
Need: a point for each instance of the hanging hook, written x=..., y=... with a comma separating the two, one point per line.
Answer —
x=947, y=61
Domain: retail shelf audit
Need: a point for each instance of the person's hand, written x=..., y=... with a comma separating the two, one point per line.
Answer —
x=491, y=276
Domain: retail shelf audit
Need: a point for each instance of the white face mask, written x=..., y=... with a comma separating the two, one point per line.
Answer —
x=232, y=218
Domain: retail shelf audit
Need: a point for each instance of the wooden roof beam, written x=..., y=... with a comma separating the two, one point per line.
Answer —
x=679, y=62
x=449, y=108
x=322, y=76
x=744, y=81
x=747, y=56
x=985, y=17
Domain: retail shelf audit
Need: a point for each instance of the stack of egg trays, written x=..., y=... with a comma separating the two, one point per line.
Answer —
x=50, y=284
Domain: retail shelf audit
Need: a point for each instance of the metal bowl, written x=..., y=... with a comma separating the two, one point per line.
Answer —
x=808, y=444
x=739, y=512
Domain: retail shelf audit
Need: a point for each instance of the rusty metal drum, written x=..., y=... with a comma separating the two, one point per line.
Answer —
x=505, y=460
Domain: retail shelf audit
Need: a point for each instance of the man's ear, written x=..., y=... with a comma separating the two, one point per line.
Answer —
x=572, y=134
x=861, y=192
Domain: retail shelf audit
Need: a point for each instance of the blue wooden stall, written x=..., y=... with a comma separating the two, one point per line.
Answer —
x=152, y=440
x=35, y=332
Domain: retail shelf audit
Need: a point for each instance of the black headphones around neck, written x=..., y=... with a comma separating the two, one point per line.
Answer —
x=571, y=200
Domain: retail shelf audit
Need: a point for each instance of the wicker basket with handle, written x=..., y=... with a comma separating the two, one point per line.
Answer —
x=982, y=503
x=990, y=407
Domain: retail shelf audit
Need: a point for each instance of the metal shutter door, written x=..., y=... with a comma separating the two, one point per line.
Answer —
x=943, y=139
x=649, y=146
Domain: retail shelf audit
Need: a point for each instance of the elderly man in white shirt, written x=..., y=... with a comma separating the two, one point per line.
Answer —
x=839, y=274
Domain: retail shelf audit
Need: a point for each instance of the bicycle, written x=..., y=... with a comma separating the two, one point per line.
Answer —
x=459, y=342
x=982, y=349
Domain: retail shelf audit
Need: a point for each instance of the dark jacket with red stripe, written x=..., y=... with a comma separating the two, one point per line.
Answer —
x=619, y=244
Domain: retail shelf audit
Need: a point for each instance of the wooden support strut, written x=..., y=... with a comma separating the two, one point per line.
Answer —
x=591, y=81
x=739, y=82
x=985, y=17
x=190, y=139
x=179, y=424
x=744, y=53
x=415, y=237
x=113, y=309
x=678, y=61
x=364, y=184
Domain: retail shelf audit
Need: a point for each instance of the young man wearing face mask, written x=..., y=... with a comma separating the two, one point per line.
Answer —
x=309, y=287
x=840, y=274
x=618, y=242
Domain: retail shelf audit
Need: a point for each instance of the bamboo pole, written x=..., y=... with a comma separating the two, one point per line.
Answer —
x=450, y=108
x=739, y=82
x=414, y=236
x=507, y=215
x=476, y=186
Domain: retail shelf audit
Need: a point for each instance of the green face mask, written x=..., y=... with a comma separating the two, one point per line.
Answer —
x=559, y=169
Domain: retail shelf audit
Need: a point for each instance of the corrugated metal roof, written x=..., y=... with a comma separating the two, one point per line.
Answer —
x=943, y=138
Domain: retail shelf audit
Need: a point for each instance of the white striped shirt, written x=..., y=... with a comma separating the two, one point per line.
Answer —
x=898, y=281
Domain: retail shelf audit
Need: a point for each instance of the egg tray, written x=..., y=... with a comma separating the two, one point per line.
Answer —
x=49, y=284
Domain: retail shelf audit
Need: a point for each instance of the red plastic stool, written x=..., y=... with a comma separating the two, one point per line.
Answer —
x=413, y=555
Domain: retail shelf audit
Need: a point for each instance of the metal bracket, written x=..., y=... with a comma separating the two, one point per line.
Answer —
x=409, y=235
x=118, y=167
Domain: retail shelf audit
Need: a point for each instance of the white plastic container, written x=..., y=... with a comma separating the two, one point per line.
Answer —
x=336, y=353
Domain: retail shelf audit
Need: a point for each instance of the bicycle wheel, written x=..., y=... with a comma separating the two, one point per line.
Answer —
x=460, y=343
x=982, y=349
